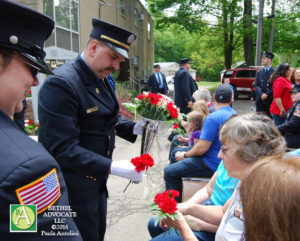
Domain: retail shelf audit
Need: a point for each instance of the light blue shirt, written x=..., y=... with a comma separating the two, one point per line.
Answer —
x=224, y=186
x=293, y=153
x=159, y=80
x=267, y=69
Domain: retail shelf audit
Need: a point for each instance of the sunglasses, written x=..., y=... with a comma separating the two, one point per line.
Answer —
x=33, y=68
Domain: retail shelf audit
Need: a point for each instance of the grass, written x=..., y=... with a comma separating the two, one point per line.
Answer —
x=208, y=85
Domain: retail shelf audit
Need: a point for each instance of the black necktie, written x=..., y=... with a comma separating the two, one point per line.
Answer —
x=159, y=80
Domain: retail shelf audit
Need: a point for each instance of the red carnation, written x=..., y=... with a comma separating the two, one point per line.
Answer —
x=166, y=201
x=175, y=126
x=174, y=113
x=154, y=98
x=143, y=162
x=30, y=122
x=141, y=96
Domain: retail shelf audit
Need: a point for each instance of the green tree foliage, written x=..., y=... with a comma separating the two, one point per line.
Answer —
x=183, y=28
x=168, y=47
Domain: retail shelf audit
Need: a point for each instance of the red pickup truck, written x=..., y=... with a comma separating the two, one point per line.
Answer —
x=241, y=79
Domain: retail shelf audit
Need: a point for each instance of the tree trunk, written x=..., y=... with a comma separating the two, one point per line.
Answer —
x=272, y=27
x=247, y=33
x=228, y=16
x=259, y=32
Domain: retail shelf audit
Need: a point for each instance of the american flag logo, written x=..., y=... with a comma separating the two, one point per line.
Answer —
x=42, y=192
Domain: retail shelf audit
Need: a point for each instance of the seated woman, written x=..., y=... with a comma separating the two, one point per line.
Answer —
x=278, y=217
x=204, y=94
x=218, y=190
x=290, y=129
x=245, y=140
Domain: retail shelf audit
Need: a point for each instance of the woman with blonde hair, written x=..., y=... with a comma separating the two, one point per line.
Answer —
x=201, y=106
x=270, y=196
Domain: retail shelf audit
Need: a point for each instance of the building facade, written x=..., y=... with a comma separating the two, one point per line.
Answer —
x=73, y=26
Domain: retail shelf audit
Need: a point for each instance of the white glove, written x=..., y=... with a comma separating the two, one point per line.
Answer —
x=127, y=170
x=139, y=127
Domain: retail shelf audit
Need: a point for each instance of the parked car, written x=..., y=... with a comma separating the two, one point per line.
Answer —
x=241, y=79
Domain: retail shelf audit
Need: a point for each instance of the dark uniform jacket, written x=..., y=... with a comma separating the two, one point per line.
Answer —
x=291, y=127
x=79, y=117
x=184, y=87
x=263, y=85
x=24, y=161
x=153, y=85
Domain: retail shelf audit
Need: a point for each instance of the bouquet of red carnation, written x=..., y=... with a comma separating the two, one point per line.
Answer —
x=141, y=163
x=154, y=106
x=165, y=206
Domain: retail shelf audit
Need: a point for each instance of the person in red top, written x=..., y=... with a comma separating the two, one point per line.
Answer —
x=282, y=86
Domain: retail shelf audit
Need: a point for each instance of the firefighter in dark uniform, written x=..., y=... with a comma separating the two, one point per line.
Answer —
x=263, y=87
x=24, y=163
x=79, y=118
x=290, y=129
x=184, y=87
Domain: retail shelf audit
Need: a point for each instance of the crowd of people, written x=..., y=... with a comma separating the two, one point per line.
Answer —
x=232, y=148
x=253, y=193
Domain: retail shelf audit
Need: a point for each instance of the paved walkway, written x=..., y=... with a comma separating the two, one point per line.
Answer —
x=129, y=212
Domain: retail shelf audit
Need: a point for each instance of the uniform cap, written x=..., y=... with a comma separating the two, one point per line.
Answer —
x=223, y=93
x=25, y=30
x=268, y=54
x=184, y=61
x=156, y=66
x=117, y=38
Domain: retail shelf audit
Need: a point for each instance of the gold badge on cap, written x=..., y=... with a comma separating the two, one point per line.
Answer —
x=13, y=39
x=131, y=38
x=97, y=91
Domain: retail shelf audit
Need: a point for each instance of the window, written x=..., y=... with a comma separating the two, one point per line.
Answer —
x=65, y=13
x=228, y=74
x=136, y=17
x=245, y=73
x=122, y=2
x=149, y=30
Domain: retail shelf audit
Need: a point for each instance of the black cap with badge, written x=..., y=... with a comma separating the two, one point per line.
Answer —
x=268, y=54
x=156, y=66
x=25, y=30
x=119, y=39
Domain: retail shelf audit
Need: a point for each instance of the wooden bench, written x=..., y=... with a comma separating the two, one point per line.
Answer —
x=190, y=185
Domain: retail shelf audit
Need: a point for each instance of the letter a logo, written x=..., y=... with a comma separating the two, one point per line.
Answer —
x=23, y=218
